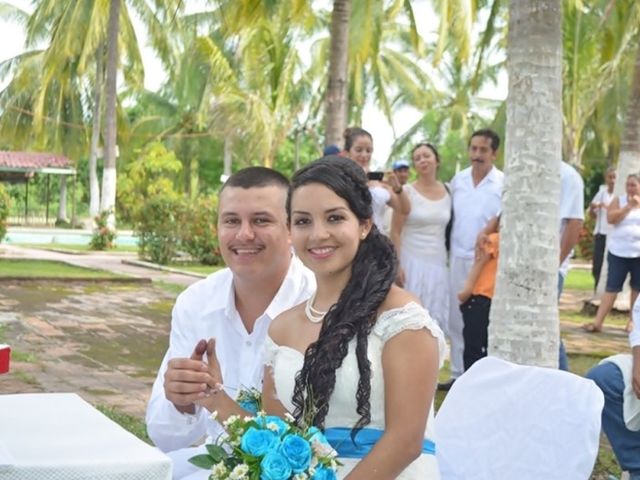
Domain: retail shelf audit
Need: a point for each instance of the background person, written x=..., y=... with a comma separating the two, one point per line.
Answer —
x=598, y=211
x=419, y=237
x=358, y=146
x=624, y=251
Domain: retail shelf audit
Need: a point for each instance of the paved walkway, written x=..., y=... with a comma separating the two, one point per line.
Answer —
x=110, y=261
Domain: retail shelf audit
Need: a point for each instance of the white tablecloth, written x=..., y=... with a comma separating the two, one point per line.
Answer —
x=60, y=436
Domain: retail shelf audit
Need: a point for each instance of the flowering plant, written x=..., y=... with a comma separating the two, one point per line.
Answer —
x=266, y=447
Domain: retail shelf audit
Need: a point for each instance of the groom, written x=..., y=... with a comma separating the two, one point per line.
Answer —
x=235, y=305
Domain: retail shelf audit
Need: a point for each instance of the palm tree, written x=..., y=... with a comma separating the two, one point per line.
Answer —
x=336, y=96
x=524, y=324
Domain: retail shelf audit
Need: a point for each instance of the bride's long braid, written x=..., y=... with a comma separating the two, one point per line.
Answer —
x=373, y=272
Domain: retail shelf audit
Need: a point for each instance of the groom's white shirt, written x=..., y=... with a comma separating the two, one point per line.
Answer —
x=207, y=309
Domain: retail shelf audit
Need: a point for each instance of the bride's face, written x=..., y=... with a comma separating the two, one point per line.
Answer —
x=325, y=232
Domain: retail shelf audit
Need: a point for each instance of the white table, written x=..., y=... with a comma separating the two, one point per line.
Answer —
x=55, y=436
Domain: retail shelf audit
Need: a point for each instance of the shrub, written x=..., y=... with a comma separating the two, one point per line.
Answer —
x=103, y=236
x=198, y=231
x=584, y=249
x=4, y=211
x=158, y=226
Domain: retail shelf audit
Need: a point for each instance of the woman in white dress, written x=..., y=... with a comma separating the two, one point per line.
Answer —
x=360, y=358
x=419, y=237
x=387, y=193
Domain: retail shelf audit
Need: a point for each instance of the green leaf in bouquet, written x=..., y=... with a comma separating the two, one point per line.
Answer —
x=216, y=452
x=203, y=461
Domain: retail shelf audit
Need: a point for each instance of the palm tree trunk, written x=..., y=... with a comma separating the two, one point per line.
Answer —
x=109, y=174
x=338, y=71
x=94, y=185
x=524, y=324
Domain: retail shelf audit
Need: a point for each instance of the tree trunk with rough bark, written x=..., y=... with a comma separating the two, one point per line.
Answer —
x=109, y=176
x=336, y=113
x=94, y=184
x=524, y=324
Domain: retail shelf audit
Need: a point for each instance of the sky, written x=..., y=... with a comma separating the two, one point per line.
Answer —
x=12, y=43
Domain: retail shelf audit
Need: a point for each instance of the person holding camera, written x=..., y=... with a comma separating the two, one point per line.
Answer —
x=385, y=189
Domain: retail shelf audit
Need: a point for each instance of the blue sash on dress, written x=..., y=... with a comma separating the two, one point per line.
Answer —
x=340, y=440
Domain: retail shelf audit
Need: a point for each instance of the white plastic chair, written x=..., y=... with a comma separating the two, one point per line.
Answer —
x=506, y=421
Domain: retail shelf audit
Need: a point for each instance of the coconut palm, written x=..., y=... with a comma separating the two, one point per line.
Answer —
x=524, y=325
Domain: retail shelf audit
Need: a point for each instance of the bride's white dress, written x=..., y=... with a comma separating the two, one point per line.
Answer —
x=286, y=362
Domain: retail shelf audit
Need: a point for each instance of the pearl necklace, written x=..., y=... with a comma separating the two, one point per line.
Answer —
x=314, y=316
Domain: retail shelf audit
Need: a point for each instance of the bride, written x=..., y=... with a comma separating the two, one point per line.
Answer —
x=360, y=358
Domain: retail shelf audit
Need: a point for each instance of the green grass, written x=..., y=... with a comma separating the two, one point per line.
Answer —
x=126, y=421
x=172, y=288
x=195, y=267
x=77, y=248
x=579, y=279
x=48, y=269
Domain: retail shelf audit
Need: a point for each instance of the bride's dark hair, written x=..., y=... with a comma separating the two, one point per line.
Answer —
x=353, y=316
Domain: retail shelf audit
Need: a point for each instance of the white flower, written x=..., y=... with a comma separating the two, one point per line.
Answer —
x=300, y=476
x=219, y=471
x=312, y=470
x=334, y=465
x=229, y=421
x=214, y=415
x=261, y=413
x=273, y=427
x=248, y=419
x=289, y=417
x=240, y=472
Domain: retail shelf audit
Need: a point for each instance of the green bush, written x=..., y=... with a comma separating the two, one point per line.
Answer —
x=158, y=228
x=103, y=236
x=584, y=249
x=4, y=211
x=198, y=231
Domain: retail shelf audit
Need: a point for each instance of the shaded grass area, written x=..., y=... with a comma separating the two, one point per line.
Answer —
x=18, y=268
x=77, y=248
x=128, y=422
x=195, y=267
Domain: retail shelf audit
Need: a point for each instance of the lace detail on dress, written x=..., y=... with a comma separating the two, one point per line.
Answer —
x=409, y=317
x=269, y=351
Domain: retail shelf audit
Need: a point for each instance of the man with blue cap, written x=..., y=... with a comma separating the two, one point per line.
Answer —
x=401, y=170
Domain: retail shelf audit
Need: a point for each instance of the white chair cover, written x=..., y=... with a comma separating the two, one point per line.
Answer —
x=503, y=421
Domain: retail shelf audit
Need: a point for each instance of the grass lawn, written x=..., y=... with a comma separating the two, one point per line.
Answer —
x=579, y=279
x=195, y=267
x=77, y=248
x=47, y=268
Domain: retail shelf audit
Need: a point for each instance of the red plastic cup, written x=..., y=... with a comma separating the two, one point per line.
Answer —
x=5, y=356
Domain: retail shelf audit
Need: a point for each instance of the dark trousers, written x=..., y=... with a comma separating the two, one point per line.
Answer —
x=475, y=316
x=599, y=244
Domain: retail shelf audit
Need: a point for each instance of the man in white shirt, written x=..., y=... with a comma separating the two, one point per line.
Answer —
x=234, y=305
x=476, y=193
x=571, y=222
x=619, y=379
x=598, y=211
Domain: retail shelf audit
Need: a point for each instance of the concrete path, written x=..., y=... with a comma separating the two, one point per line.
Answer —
x=110, y=261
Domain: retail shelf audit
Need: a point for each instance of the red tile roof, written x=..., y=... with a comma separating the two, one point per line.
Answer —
x=33, y=160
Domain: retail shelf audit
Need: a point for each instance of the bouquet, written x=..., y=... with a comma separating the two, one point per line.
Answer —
x=264, y=447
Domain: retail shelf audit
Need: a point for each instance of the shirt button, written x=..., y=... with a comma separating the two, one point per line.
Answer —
x=248, y=343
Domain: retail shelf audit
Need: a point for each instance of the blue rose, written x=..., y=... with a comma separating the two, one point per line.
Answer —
x=317, y=436
x=269, y=420
x=249, y=405
x=298, y=451
x=324, y=473
x=258, y=442
x=274, y=467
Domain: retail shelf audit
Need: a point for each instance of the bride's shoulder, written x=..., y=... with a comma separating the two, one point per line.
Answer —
x=280, y=327
x=397, y=298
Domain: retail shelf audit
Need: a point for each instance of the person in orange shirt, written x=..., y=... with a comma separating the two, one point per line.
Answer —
x=475, y=300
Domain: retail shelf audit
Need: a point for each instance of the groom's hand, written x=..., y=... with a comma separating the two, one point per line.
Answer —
x=186, y=379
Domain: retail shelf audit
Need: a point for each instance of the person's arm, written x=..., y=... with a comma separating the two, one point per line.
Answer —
x=479, y=262
x=636, y=370
x=397, y=224
x=410, y=369
x=595, y=204
x=570, y=237
x=615, y=213
x=270, y=402
x=398, y=200
x=168, y=427
x=489, y=228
